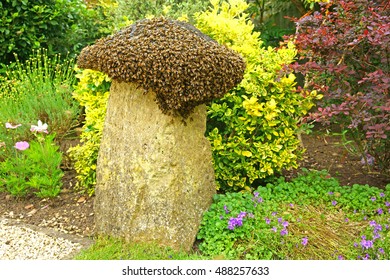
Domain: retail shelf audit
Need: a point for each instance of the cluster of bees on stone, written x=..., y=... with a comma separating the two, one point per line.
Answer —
x=178, y=62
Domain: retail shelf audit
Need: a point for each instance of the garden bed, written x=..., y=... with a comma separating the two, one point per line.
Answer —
x=72, y=212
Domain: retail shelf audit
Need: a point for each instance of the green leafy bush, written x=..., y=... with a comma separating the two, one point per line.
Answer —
x=58, y=25
x=92, y=92
x=253, y=129
x=32, y=167
x=311, y=217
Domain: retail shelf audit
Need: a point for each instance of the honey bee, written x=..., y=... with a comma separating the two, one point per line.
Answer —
x=183, y=66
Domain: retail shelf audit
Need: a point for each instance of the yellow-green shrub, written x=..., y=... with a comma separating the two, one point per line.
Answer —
x=252, y=129
x=92, y=93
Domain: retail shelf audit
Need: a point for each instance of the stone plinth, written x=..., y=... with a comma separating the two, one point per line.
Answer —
x=155, y=176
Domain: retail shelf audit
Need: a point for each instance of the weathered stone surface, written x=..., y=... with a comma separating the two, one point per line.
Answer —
x=155, y=176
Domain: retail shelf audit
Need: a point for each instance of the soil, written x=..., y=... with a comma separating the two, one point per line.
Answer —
x=72, y=212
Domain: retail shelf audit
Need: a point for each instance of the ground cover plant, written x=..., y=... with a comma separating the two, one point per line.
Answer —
x=311, y=217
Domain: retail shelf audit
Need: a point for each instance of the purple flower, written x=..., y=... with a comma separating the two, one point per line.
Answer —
x=366, y=257
x=330, y=193
x=381, y=250
x=376, y=236
x=334, y=202
x=260, y=200
x=221, y=217
x=234, y=222
x=373, y=198
x=340, y=257
x=274, y=229
x=346, y=220
x=285, y=224
x=226, y=209
x=250, y=215
x=23, y=145
x=304, y=241
x=274, y=213
x=366, y=244
x=380, y=211
x=373, y=223
x=283, y=232
x=256, y=194
x=241, y=215
x=370, y=160
x=267, y=221
x=280, y=220
x=355, y=245
x=291, y=205
x=382, y=194
x=378, y=227
x=387, y=204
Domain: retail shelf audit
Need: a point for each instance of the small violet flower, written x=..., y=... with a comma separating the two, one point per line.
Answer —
x=11, y=126
x=366, y=244
x=340, y=257
x=23, y=145
x=285, y=224
x=267, y=221
x=373, y=198
x=226, y=209
x=381, y=250
x=283, y=232
x=330, y=193
x=387, y=204
x=382, y=194
x=274, y=229
x=372, y=223
x=380, y=211
x=304, y=241
x=334, y=202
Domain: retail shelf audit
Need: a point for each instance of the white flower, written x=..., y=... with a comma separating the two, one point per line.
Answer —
x=39, y=128
x=9, y=125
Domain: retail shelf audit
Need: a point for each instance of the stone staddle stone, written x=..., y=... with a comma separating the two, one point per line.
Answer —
x=155, y=176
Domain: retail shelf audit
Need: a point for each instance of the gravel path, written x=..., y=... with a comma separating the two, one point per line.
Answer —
x=26, y=242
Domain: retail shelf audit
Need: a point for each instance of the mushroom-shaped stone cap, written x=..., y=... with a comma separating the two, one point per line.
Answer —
x=180, y=64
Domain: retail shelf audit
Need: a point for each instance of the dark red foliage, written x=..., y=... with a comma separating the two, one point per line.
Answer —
x=345, y=52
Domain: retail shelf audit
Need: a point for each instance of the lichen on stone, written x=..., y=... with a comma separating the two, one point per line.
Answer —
x=183, y=66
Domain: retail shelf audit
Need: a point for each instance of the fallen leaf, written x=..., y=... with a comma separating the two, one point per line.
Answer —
x=30, y=206
x=81, y=199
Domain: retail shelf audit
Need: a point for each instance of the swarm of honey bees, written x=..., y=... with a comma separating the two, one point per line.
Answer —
x=183, y=66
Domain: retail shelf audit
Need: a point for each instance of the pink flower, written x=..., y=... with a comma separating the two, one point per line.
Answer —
x=11, y=126
x=23, y=145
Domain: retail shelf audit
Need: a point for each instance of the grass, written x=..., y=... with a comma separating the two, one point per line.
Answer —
x=107, y=248
x=302, y=207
